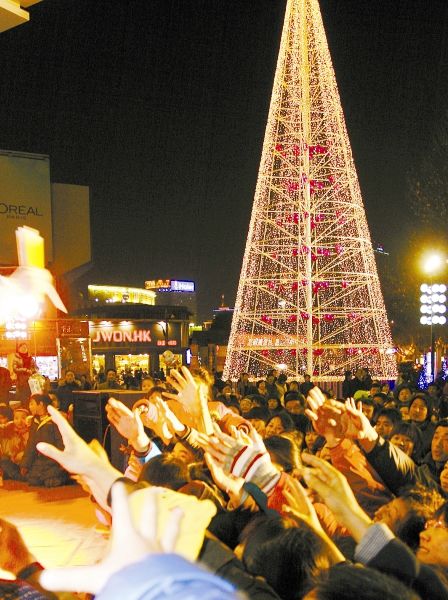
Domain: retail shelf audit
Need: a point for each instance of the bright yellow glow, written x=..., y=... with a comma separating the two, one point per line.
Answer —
x=309, y=295
x=114, y=293
x=432, y=263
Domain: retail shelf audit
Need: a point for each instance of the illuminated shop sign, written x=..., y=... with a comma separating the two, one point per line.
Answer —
x=125, y=333
x=170, y=285
x=182, y=286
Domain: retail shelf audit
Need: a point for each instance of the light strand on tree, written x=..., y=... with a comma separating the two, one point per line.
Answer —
x=309, y=296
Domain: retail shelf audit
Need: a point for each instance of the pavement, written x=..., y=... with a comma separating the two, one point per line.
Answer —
x=58, y=524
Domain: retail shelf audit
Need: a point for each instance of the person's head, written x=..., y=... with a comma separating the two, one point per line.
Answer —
x=433, y=390
x=271, y=548
x=375, y=388
x=185, y=453
x=261, y=386
x=404, y=394
x=433, y=547
x=444, y=479
x=282, y=378
x=274, y=403
x=407, y=437
x=111, y=375
x=345, y=582
x=165, y=470
x=386, y=420
x=278, y=424
x=368, y=408
x=404, y=410
x=439, y=443
x=420, y=408
x=407, y=514
x=385, y=388
x=38, y=404
x=245, y=405
x=307, y=378
x=294, y=403
x=294, y=386
x=379, y=399
x=147, y=384
x=22, y=348
x=5, y=415
x=257, y=400
x=284, y=453
x=19, y=418
x=311, y=437
x=258, y=417
x=69, y=377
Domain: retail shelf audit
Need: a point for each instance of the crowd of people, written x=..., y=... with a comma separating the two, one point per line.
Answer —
x=313, y=496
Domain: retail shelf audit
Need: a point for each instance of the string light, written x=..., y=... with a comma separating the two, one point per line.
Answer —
x=309, y=296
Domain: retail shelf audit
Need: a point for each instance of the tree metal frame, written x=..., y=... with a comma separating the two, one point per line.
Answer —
x=309, y=297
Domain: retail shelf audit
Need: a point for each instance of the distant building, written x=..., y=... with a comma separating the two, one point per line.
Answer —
x=113, y=294
x=174, y=292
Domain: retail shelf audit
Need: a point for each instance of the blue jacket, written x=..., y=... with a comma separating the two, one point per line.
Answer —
x=166, y=577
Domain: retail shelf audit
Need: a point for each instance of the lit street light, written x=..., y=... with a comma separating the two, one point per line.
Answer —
x=433, y=301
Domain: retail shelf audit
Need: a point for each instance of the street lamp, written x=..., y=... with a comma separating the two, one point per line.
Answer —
x=433, y=301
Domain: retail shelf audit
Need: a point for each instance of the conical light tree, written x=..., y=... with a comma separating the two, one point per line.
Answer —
x=309, y=297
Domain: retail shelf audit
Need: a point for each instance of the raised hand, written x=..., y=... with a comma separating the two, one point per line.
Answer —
x=123, y=419
x=130, y=543
x=156, y=415
x=299, y=504
x=79, y=458
x=335, y=491
x=244, y=456
x=359, y=425
x=227, y=483
x=193, y=396
x=128, y=424
x=188, y=390
x=327, y=416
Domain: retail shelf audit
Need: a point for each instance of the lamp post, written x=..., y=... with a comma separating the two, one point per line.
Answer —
x=433, y=302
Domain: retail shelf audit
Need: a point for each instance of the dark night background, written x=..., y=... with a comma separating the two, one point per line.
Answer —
x=160, y=107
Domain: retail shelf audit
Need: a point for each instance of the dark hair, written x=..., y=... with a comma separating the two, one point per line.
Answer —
x=381, y=395
x=5, y=411
x=345, y=582
x=426, y=400
x=285, y=418
x=282, y=378
x=284, y=452
x=368, y=401
x=42, y=398
x=287, y=556
x=257, y=398
x=393, y=414
x=294, y=396
x=165, y=471
x=442, y=512
x=412, y=432
x=258, y=412
x=422, y=503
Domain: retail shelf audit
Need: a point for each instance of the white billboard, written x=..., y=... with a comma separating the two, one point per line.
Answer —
x=25, y=199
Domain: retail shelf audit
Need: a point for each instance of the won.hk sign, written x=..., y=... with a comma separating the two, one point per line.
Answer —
x=141, y=336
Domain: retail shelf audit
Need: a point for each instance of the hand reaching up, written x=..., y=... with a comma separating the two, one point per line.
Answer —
x=130, y=543
x=333, y=488
x=156, y=415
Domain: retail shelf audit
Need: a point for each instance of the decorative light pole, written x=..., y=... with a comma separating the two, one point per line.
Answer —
x=433, y=302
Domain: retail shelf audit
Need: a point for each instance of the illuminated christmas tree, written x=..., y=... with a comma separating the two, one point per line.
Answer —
x=309, y=297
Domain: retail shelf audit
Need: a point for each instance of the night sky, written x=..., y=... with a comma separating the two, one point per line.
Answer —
x=160, y=107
